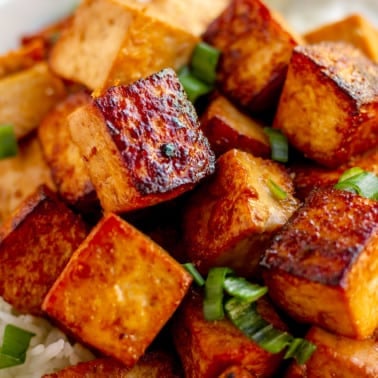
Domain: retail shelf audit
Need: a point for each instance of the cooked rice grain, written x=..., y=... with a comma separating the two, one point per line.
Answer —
x=49, y=350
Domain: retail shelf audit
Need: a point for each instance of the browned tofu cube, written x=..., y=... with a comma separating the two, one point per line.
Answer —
x=329, y=104
x=117, y=291
x=311, y=176
x=322, y=266
x=226, y=128
x=354, y=29
x=63, y=156
x=152, y=365
x=26, y=96
x=21, y=175
x=256, y=48
x=142, y=143
x=117, y=41
x=207, y=349
x=229, y=221
x=36, y=242
x=338, y=356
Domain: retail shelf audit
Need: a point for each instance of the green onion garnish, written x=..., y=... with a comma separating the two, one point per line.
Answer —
x=278, y=144
x=198, y=279
x=213, y=302
x=15, y=344
x=204, y=62
x=245, y=317
x=194, y=87
x=240, y=288
x=8, y=141
x=358, y=181
x=277, y=192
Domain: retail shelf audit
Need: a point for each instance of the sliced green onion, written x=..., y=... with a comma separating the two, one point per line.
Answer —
x=213, y=302
x=198, y=279
x=278, y=144
x=350, y=173
x=363, y=183
x=301, y=350
x=194, y=87
x=15, y=344
x=240, y=288
x=245, y=317
x=204, y=62
x=8, y=141
x=277, y=192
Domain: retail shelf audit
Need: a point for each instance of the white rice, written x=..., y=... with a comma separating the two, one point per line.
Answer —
x=49, y=350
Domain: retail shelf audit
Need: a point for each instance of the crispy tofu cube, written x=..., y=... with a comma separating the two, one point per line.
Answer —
x=26, y=96
x=21, y=175
x=207, y=349
x=36, y=242
x=329, y=104
x=338, y=356
x=117, y=42
x=63, y=156
x=308, y=177
x=231, y=218
x=142, y=143
x=226, y=128
x=256, y=47
x=353, y=29
x=117, y=291
x=322, y=266
x=156, y=364
x=237, y=372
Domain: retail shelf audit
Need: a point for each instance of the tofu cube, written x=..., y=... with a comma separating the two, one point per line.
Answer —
x=322, y=266
x=142, y=143
x=329, y=104
x=63, y=156
x=156, y=364
x=114, y=42
x=117, y=291
x=36, y=243
x=207, y=349
x=308, y=177
x=354, y=29
x=21, y=175
x=26, y=97
x=338, y=356
x=256, y=47
x=230, y=219
x=226, y=128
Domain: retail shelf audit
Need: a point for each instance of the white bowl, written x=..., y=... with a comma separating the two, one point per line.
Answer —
x=18, y=17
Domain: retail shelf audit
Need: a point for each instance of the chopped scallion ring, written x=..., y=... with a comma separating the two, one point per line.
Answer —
x=194, y=87
x=276, y=190
x=213, y=302
x=8, y=141
x=278, y=144
x=198, y=279
x=240, y=288
x=358, y=181
x=15, y=344
x=204, y=62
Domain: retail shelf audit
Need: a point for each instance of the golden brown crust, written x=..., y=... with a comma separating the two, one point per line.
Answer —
x=117, y=291
x=36, y=242
x=256, y=50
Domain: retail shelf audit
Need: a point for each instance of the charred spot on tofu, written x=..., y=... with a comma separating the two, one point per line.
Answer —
x=155, y=128
x=329, y=104
x=322, y=266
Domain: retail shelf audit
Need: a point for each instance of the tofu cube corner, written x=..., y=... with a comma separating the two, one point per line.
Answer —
x=117, y=291
x=142, y=143
x=322, y=266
